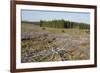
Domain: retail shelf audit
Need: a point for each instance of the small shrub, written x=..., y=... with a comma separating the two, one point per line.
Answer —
x=63, y=31
x=54, y=39
x=50, y=41
x=43, y=28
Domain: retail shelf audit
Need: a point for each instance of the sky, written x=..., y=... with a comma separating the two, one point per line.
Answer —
x=37, y=15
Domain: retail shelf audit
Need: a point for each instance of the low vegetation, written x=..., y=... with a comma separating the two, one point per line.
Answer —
x=56, y=40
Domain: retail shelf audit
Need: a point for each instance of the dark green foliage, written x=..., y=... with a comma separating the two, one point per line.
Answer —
x=53, y=23
x=64, y=24
x=84, y=26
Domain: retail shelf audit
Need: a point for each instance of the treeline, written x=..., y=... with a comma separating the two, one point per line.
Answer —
x=30, y=22
x=64, y=24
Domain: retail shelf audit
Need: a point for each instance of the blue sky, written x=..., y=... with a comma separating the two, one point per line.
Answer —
x=37, y=15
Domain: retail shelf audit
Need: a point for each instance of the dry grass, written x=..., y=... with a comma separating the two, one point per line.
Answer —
x=54, y=44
